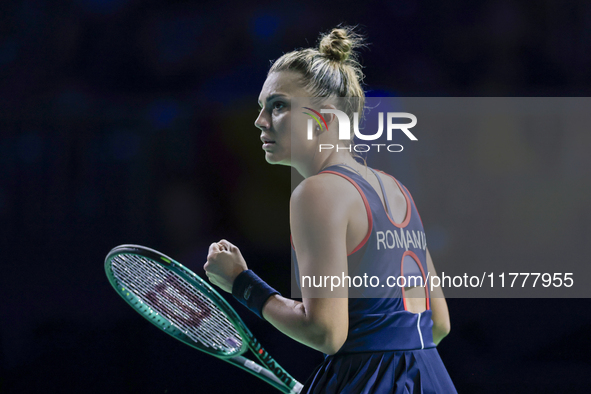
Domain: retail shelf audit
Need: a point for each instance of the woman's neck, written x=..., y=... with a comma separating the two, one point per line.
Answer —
x=335, y=158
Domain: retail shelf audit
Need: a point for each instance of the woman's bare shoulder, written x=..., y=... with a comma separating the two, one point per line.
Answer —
x=323, y=189
x=320, y=210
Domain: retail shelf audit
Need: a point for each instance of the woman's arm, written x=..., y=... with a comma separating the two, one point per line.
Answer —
x=318, y=217
x=440, y=313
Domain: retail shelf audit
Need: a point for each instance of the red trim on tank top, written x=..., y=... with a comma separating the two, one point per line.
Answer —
x=367, y=208
x=408, y=207
x=418, y=261
x=413, y=203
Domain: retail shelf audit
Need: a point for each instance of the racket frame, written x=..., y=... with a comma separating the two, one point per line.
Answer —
x=270, y=371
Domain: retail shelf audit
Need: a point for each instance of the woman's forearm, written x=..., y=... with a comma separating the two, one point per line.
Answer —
x=291, y=318
x=439, y=333
x=320, y=323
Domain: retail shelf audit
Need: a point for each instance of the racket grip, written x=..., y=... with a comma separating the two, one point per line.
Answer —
x=266, y=375
x=297, y=388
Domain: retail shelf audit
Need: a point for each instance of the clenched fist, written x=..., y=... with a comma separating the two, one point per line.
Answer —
x=224, y=264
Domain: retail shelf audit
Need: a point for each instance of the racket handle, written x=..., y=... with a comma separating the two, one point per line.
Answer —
x=297, y=388
x=265, y=374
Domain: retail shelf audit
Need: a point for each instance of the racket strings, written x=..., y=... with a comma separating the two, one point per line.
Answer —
x=176, y=301
x=179, y=301
x=185, y=307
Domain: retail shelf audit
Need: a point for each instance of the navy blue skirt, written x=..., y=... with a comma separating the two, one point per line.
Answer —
x=391, y=372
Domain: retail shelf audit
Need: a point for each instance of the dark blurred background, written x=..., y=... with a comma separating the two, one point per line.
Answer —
x=129, y=121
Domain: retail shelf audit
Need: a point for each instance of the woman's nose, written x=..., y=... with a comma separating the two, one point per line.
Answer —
x=262, y=121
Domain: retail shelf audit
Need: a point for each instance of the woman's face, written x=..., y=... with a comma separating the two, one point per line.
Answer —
x=278, y=115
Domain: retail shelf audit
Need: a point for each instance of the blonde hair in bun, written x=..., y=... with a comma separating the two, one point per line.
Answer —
x=339, y=43
x=330, y=70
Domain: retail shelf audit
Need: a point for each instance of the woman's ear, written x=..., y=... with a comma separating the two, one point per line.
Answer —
x=330, y=118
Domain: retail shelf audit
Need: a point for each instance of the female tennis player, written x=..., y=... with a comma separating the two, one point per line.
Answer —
x=346, y=220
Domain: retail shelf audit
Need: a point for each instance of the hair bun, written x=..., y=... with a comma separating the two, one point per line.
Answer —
x=338, y=45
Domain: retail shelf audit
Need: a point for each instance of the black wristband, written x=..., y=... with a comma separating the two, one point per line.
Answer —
x=252, y=292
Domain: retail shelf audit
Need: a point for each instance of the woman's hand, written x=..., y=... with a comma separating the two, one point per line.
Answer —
x=224, y=264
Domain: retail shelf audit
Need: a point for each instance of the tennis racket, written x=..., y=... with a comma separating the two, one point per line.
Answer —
x=181, y=304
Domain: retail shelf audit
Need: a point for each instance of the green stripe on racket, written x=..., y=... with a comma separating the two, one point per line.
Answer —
x=180, y=303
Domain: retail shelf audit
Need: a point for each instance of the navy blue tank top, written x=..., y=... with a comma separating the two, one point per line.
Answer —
x=378, y=317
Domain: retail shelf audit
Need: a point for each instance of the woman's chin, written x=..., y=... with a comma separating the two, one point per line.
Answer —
x=272, y=158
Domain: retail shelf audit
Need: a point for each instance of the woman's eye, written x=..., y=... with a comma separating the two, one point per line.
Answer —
x=278, y=105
